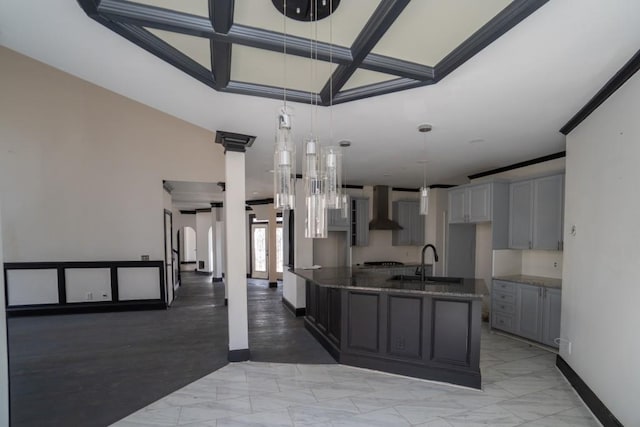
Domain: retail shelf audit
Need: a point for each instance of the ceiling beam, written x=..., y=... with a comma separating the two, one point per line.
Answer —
x=164, y=51
x=508, y=18
x=376, y=89
x=221, y=15
x=156, y=17
x=269, y=92
x=378, y=24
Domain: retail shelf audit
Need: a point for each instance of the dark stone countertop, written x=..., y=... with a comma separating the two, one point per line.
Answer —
x=348, y=278
x=373, y=267
x=546, y=282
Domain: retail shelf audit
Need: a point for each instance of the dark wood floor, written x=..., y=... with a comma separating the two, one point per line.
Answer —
x=93, y=369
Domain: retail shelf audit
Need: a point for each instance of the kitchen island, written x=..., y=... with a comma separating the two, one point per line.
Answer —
x=397, y=324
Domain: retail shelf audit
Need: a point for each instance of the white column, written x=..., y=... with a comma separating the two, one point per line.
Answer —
x=214, y=238
x=235, y=254
x=4, y=366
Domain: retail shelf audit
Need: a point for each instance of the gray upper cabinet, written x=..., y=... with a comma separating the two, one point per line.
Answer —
x=547, y=212
x=457, y=213
x=335, y=221
x=535, y=213
x=470, y=204
x=551, y=300
x=359, y=222
x=407, y=214
x=520, y=215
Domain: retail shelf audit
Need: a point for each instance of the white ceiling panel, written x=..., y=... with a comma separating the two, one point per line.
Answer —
x=348, y=19
x=193, y=7
x=428, y=30
x=197, y=48
x=365, y=77
x=264, y=67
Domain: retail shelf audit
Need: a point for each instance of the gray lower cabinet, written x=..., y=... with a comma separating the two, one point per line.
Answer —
x=529, y=311
x=407, y=214
x=551, y=316
x=359, y=222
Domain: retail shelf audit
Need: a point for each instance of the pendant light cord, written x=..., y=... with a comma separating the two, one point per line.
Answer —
x=330, y=70
x=284, y=84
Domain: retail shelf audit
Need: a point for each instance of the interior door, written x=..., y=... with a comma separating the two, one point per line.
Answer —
x=168, y=255
x=260, y=251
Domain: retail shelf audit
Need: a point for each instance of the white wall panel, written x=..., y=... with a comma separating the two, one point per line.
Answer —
x=88, y=284
x=138, y=283
x=32, y=286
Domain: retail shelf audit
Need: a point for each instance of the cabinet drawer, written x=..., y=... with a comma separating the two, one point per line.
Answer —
x=505, y=287
x=504, y=307
x=502, y=297
x=503, y=321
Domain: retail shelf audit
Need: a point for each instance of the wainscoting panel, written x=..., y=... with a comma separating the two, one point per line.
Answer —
x=32, y=287
x=138, y=283
x=88, y=284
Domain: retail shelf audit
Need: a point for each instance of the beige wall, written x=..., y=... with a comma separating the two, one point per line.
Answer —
x=601, y=279
x=81, y=168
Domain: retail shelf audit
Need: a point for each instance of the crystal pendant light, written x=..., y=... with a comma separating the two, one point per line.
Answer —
x=284, y=168
x=284, y=158
x=332, y=168
x=424, y=190
x=316, y=208
x=315, y=224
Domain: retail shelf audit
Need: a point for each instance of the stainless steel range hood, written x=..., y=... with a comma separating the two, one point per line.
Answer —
x=381, y=219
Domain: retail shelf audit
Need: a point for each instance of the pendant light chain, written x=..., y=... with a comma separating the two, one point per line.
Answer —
x=284, y=24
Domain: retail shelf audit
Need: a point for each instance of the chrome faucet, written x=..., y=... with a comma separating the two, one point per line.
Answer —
x=435, y=259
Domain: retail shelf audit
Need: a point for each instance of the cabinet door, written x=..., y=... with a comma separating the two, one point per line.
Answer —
x=417, y=225
x=547, y=212
x=402, y=215
x=529, y=311
x=551, y=316
x=335, y=221
x=360, y=222
x=479, y=199
x=520, y=214
x=457, y=202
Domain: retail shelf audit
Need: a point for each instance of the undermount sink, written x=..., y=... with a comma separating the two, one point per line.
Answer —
x=428, y=280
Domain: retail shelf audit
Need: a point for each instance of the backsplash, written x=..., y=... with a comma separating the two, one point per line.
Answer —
x=527, y=262
x=380, y=249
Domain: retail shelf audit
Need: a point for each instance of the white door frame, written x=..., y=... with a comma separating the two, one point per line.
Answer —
x=259, y=274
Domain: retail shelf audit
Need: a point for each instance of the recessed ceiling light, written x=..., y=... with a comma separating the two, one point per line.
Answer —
x=476, y=141
x=254, y=193
x=270, y=171
x=387, y=174
x=345, y=143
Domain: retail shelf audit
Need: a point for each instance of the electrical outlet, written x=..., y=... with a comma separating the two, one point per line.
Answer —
x=555, y=265
x=104, y=295
x=89, y=296
x=569, y=347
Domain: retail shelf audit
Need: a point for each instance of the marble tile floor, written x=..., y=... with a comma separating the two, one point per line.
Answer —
x=521, y=387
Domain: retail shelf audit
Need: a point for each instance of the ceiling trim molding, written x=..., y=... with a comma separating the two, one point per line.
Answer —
x=258, y=202
x=129, y=19
x=232, y=141
x=382, y=18
x=519, y=165
x=614, y=83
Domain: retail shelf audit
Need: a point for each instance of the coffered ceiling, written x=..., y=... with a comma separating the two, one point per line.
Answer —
x=365, y=48
x=505, y=104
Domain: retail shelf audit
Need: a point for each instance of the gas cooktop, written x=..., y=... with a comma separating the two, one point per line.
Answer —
x=384, y=263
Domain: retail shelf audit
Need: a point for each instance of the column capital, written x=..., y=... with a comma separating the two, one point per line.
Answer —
x=234, y=141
